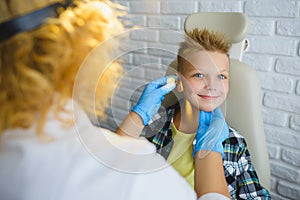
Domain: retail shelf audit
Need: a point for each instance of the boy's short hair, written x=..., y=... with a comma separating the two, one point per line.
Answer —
x=201, y=40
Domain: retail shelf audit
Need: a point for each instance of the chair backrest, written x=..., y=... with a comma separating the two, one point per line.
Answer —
x=243, y=107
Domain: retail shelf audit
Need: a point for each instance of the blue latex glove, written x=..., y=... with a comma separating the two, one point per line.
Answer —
x=212, y=131
x=152, y=97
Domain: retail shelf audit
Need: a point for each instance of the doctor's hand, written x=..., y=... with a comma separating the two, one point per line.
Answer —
x=212, y=131
x=152, y=97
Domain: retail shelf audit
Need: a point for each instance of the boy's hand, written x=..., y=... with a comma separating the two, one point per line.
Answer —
x=212, y=131
x=152, y=97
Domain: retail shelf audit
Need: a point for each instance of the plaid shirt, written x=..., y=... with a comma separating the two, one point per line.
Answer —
x=240, y=175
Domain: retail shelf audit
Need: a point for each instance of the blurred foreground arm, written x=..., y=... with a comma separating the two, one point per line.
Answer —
x=208, y=152
x=209, y=175
x=132, y=125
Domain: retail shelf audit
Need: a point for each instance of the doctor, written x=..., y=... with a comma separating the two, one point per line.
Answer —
x=49, y=149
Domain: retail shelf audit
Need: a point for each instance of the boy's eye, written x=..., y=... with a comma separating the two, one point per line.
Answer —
x=221, y=76
x=198, y=75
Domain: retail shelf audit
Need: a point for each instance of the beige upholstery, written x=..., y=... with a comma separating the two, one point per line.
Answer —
x=243, y=109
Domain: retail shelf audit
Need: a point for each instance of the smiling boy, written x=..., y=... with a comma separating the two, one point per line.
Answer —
x=203, y=77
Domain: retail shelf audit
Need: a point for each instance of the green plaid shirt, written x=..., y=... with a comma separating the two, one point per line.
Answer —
x=240, y=174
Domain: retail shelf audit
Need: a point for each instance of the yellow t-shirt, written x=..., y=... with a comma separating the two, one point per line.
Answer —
x=181, y=154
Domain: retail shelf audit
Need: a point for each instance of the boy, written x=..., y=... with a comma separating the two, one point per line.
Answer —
x=203, y=75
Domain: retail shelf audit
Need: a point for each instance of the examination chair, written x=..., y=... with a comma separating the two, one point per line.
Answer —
x=243, y=107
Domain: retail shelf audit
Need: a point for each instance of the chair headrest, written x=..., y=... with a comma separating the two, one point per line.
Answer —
x=234, y=25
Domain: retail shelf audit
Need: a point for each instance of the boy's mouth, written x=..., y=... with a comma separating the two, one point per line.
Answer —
x=208, y=97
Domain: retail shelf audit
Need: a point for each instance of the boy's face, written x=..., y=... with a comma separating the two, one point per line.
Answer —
x=204, y=79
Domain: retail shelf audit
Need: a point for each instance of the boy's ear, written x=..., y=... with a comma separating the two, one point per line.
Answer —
x=179, y=86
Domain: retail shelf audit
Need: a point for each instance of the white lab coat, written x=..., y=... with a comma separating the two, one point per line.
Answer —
x=84, y=163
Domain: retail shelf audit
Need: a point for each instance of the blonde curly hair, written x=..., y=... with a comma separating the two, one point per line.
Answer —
x=38, y=67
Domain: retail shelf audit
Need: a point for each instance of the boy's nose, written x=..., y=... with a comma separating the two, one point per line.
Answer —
x=210, y=84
